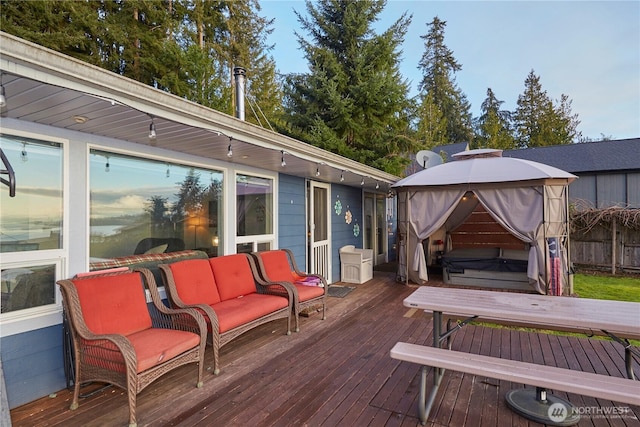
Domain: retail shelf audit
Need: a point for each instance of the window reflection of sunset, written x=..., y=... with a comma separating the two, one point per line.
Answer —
x=38, y=180
x=136, y=199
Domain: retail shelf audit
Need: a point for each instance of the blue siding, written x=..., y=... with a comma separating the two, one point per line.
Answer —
x=341, y=232
x=292, y=230
x=33, y=364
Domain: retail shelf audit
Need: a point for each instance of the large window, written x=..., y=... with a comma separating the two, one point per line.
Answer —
x=147, y=206
x=254, y=208
x=32, y=220
x=31, y=227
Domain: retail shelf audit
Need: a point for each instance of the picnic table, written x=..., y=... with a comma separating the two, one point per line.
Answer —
x=617, y=320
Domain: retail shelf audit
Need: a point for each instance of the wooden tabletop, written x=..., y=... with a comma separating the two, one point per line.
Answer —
x=552, y=312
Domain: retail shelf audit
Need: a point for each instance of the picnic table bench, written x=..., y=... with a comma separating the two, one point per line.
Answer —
x=618, y=320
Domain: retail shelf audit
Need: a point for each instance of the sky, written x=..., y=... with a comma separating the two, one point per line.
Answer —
x=587, y=50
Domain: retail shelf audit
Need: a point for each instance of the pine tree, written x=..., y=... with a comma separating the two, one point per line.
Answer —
x=353, y=101
x=439, y=67
x=432, y=125
x=540, y=123
x=186, y=47
x=494, y=125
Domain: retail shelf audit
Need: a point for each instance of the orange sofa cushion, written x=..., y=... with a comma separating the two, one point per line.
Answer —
x=114, y=304
x=195, y=282
x=240, y=311
x=276, y=266
x=154, y=346
x=233, y=276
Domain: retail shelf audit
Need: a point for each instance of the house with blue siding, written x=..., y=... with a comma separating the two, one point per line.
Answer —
x=97, y=166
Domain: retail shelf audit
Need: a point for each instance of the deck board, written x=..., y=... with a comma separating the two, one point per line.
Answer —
x=337, y=372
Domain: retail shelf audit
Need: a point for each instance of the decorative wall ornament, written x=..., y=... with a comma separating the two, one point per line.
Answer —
x=338, y=207
x=356, y=230
x=347, y=216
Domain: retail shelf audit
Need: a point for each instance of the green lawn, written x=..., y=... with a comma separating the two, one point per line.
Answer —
x=600, y=286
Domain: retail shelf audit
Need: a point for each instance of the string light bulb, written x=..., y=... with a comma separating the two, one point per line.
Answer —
x=377, y=185
x=23, y=153
x=107, y=166
x=342, y=176
x=152, y=131
x=317, y=170
x=3, y=98
x=229, y=151
x=283, y=163
x=362, y=182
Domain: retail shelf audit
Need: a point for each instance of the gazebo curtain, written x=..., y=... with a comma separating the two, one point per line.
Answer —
x=519, y=210
x=428, y=211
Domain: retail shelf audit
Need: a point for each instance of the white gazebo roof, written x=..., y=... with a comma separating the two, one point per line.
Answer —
x=483, y=166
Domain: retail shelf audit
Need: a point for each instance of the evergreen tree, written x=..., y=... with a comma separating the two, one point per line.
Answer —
x=157, y=208
x=439, y=67
x=66, y=27
x=540, y=123
x=220, y=35
x=186, y=47
x=353, y=101
x=189, y=198
x=494, y=125
x=432, y=125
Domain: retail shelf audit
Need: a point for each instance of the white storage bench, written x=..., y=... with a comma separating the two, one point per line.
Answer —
x=356, y=265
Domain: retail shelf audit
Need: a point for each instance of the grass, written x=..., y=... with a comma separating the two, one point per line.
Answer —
x=601, y=286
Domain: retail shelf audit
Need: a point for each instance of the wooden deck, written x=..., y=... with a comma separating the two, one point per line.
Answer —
x=338, y=372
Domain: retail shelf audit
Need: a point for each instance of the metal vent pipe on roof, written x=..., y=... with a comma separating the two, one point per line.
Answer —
x=239, y=74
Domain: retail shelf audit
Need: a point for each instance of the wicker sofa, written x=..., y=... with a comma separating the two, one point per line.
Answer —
x=227, y=289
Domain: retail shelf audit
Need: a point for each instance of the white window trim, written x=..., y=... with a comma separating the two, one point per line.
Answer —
x=31, y=319
x=256, y=239
x=19, y=321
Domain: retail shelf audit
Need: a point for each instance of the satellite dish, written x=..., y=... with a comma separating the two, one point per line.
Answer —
x=428, y=159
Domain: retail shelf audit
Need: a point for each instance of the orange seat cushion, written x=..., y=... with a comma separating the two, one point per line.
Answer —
x=239, y=311
x=306, y=293
x=276, y=266
x=195, y=282
x=154, y=346
x=233, y=276
x=114, y=304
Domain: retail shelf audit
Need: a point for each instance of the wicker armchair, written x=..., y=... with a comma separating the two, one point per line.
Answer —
x=121, y=340
x=280, y=266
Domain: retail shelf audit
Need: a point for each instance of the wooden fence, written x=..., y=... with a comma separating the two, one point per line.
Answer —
x=608, y=246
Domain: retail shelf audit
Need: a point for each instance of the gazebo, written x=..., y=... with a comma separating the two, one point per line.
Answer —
x=527, y=199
